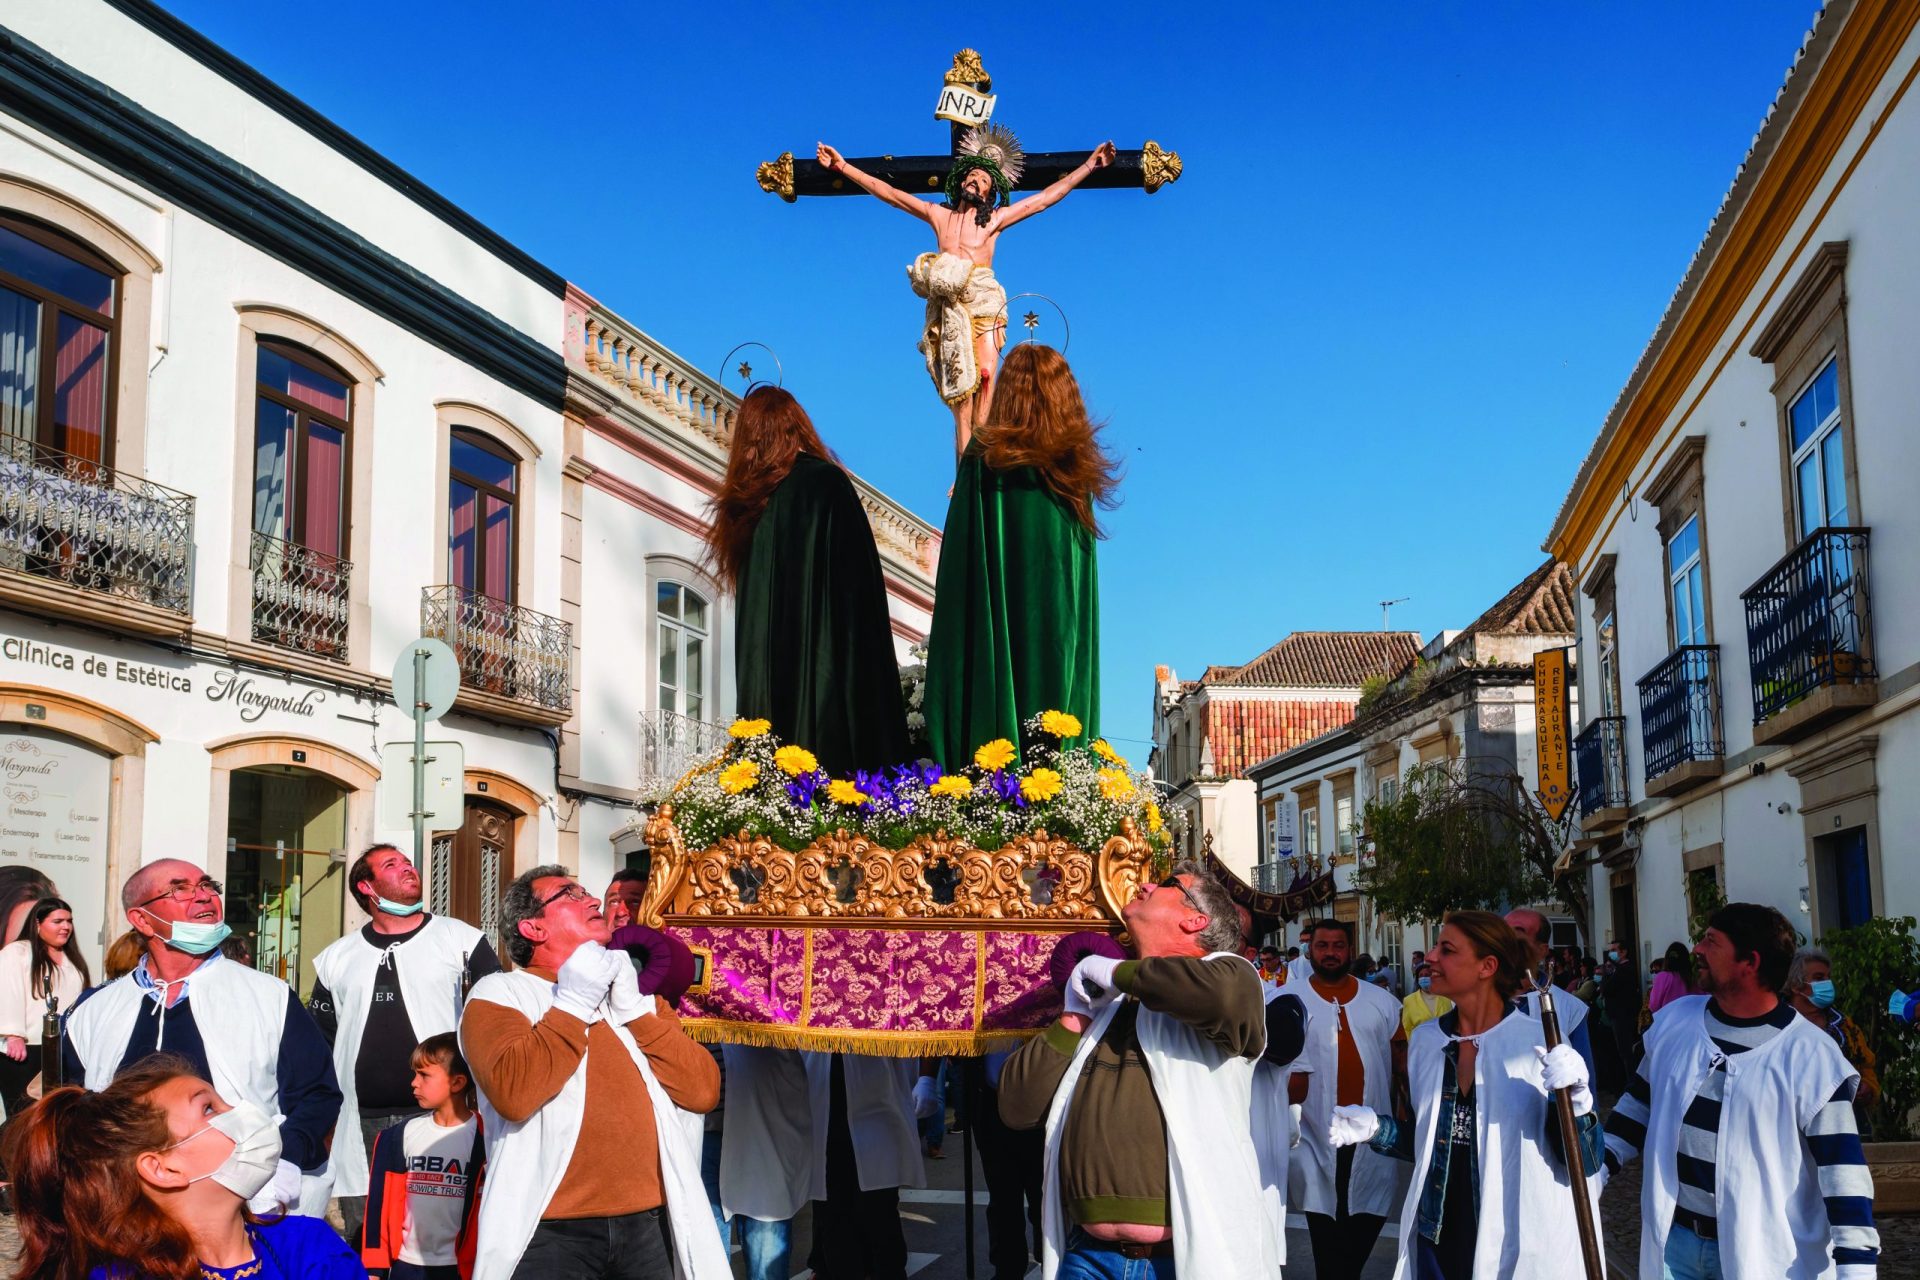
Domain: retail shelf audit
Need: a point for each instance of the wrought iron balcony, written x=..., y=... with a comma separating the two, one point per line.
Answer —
x=1600, y=757
x=1272, y=877
x=299, y=598
x=670, y=745
x=505, y=651
x=1680, y=719
x=1810, y=635
x=78, y=522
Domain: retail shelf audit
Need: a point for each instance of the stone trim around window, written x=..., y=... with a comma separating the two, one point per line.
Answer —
x=449, y=414
x=1808, y=328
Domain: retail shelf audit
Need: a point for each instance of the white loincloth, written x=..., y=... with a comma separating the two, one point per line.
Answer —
x=963, y=301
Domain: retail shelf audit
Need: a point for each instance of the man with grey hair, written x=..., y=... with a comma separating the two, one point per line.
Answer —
x=1145, y=1086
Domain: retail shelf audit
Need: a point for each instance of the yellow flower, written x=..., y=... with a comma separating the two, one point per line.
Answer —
x=1115, y=784
x=997, y=754
x=1153, y=819
x=749, y=728
x=794, y=761
x=1060, y=724
x=1107, y=753
x=954, y=784
x=1040, y=786
x=738, y=776
x=842, y=792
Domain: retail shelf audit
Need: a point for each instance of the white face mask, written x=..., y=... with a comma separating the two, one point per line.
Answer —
x=256, y=1149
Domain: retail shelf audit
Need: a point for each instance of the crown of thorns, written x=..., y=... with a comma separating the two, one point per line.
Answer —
x=997, y=153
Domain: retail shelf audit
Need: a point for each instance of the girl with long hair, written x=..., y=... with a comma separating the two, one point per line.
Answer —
x=1016, y=620
x=1484, y=1141
x=149, y=1180
x=46, y=961
x=813, y=642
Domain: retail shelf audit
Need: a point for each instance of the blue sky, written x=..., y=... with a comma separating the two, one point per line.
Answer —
x=1356, y=352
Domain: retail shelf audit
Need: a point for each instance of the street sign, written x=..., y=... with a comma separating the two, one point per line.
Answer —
x=1552, y=748
x=443, y=786
x=439, y=684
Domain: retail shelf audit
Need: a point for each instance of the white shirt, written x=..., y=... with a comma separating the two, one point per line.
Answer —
x=20, y=1009
x=437, y=1177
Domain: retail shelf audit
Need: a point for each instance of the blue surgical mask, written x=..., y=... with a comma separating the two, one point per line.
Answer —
x=194, y=937
x=393, y=908
x=1821, y=993
x=1426, y=984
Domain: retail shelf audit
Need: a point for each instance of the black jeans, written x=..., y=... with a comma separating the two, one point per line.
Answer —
x=633, y=1246
x=856, y=1234
x=1013, y=1161
x=408, y=1271
x=1342, y=1244
x=17, y=1077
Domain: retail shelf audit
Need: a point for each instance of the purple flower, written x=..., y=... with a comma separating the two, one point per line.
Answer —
x=800, y=790
x=1007, y=787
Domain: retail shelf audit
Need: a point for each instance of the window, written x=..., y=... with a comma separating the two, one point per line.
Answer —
x=1310, y=831
x=1389, y=789
x=1683, y=585
x=1343, y=824
x=1819, y=454
x=303, y=406
x=480, y=515
x=1608, y=635
x=57, y=321
x=682, y=617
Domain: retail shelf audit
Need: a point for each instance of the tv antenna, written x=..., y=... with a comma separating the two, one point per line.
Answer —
x=1385, y=606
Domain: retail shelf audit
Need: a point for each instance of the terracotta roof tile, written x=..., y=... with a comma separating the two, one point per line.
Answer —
x=1323, y=659
x=1242, y=733
x=1539, y=604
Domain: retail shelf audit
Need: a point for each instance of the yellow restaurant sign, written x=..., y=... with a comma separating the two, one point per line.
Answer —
x=1553, y=748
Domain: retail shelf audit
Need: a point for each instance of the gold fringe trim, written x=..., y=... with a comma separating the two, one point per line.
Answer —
x=881, y=1044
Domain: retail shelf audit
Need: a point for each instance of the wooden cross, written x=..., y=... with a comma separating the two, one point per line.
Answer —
x=967, y=93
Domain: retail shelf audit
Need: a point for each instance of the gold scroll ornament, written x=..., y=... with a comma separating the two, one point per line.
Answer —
x=776, y=176
x=844, y=877
x=1157, y=167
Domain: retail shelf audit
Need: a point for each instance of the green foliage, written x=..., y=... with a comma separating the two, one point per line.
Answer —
x=1870, y=962
x=1455, y=839
x=1704, y=897
x=1371, y=690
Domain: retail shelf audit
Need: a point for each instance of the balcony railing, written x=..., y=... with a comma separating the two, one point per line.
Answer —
x=1810, y=621
x=84, y=524
x=670, y=745
x=1272, y=877
x=299, y=598
x=1680, y=709
x=503, y=648
x=1600, y=756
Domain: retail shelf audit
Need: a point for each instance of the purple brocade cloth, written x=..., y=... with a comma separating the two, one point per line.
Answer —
x=894, y=992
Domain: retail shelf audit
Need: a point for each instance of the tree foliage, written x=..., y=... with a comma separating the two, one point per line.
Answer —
x=1870, y=962
x=1459, y=836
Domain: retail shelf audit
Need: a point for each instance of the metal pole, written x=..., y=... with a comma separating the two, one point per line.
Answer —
x=1570, y=1143
x=419, y=759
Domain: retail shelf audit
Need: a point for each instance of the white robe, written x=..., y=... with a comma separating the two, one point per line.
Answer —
x=1772, y=1219
x=526, y=1159
x=429, y=965
x=1374, y=1019
x=1213, y=1174
x=1526, y=1223
x=886, y=1138
x=766, y=1143
x=1273, y=1138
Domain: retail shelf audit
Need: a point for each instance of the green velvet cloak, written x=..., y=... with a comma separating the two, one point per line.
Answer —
x=1016, y=614
x=813, y=643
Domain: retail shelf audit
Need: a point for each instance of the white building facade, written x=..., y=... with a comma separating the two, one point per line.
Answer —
x=1744, y=532
x=270, y=409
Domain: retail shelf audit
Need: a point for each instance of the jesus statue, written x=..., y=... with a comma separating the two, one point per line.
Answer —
x=964, y=328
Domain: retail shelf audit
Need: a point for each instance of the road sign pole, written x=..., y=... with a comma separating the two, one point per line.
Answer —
x=419, y=758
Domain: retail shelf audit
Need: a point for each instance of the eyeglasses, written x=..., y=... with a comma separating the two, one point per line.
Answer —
x=572, y=892
x=187, y=891
x=1175, y=884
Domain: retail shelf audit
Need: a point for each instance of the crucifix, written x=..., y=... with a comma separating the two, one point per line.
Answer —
x=985, y=164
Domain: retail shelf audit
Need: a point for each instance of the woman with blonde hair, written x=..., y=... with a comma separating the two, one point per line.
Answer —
x=1484, y=1142
x=1016, y=619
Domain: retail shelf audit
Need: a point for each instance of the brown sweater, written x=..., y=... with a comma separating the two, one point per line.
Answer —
x=522, y=1065
x=1113, y=1147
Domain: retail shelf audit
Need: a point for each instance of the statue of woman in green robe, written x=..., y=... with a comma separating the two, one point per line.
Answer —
x=813, y=642
x=1016, y=614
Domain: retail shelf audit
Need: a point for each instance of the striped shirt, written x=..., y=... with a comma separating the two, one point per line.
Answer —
x=1832, y=1139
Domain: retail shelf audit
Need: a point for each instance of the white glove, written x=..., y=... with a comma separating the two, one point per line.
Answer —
x=1351, y=1126
x=926, y=1101
x=623, y=989
x=1093, y=978
x=282, y=1193
x=1293, y=1124
x=1564, y=1068
x=583, y=981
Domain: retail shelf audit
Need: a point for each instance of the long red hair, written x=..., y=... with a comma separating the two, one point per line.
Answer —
x=1038, y=420
x=769, y=432
x=77, y=1196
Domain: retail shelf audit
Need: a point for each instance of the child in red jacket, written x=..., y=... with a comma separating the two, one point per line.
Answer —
x=425, y=1175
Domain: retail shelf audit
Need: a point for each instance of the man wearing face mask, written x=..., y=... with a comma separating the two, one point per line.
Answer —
x=379, y=992
x=245, y=1031
x=1810, y=987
